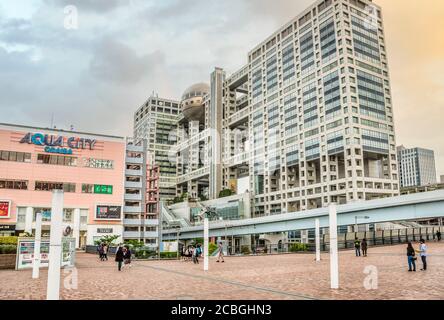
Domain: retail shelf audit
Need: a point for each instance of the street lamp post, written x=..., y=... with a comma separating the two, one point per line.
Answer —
x=178, y=233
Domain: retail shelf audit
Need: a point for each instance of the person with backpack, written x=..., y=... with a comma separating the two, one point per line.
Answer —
x=197, y=253
x=411, y=258
x=438, y=235
x=357, y=247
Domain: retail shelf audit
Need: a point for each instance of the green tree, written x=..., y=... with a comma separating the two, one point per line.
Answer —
x=109, y=240
x=225, y=193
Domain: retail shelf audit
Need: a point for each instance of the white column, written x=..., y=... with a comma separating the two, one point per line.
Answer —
x=76, y=231
x=28, y=219
x=318, y=240
x=334, y=266
x=37, y=242
x=206, y=236
x=55, y=246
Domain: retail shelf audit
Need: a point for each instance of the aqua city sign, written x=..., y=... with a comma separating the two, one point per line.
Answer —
x=58, y=144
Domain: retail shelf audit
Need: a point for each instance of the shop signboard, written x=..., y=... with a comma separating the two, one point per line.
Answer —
x=105, y=212
x=25, y=253
x=7, y=227
x=5, y=209
x=104, y=230
x=103, y=189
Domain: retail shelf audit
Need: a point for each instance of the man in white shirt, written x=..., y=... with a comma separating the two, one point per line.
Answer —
x=423, y=254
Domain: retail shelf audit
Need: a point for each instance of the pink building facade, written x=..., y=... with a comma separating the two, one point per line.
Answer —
x=90, y=168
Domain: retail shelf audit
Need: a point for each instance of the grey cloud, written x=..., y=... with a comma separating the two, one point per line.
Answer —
x=116, y=62
x=98, y=6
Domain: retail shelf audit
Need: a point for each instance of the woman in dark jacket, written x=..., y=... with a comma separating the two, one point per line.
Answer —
x=364, y=247
x=411, y=256
x=119, y=258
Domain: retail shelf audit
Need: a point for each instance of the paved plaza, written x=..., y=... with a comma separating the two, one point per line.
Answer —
x=281, y=277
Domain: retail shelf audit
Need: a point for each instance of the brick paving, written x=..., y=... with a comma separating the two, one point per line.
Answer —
x=281, y=277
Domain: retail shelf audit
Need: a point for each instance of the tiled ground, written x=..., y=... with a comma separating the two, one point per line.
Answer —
x=244, y=278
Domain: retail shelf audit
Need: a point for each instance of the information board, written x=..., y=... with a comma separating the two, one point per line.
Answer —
x=169, y=246
x=25, y=253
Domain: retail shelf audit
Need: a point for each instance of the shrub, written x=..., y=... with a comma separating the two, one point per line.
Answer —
x=212, y=247
x=245, y=250
x=8, y=249
x=135, y=244
x=144, y=253
x=8, y=240
x=298, y=247
x=168, y=255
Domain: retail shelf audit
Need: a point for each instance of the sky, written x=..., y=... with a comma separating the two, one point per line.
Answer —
x=96, y=75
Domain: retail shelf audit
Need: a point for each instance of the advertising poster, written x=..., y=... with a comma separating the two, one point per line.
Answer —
x=5, y=207
x=108, y=212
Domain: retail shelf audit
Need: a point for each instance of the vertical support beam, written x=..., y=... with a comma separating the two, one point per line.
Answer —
x=28, y=219
x=206, y=243
x=55, y=246
x=334, y=265
x=318, y=240
x=76, y=231
x=37, y=243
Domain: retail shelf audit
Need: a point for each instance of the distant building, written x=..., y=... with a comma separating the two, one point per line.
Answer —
x=416, y=167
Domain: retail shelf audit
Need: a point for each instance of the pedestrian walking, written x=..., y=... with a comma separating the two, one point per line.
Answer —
x=127, y=256
x=105, y=252
x=100, y=251
x=411, y=257
x=357, y=247
x=196, y=254
x=364, y=247
x=119, y=258
x=220, y=253
x=423, y=254
x=438, y=235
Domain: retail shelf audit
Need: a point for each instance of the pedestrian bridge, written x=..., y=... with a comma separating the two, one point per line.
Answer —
x=407, y=207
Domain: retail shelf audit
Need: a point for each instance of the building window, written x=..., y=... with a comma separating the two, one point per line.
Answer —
x=56, y=160
x=87, y=188
x=50, y=186
x=15, y=156
x=14, y=184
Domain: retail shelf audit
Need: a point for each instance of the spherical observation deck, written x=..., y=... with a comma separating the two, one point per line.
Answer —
x=192, y=101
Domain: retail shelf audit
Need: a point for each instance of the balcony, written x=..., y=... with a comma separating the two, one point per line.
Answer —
x=131, y=234
x=134, y=148
x=137, y=234
x=136, y=173
x=134, y=160
x=136, y=209
x=134, y=185
x=133, y=197
x=138, y=222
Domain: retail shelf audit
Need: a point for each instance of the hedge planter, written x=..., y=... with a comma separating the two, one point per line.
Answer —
x=7, y=261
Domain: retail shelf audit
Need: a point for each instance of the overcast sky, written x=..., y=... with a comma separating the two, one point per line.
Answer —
x=96, y=76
